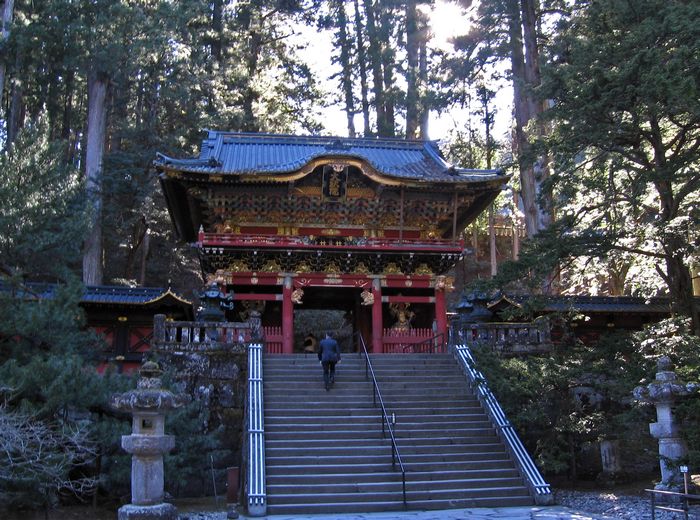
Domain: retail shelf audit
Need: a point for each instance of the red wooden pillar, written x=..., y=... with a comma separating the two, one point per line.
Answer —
x=287, y=317
x=377, y=322
x=440, y=311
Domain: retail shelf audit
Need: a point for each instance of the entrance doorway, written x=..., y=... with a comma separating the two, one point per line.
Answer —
x=331, y=309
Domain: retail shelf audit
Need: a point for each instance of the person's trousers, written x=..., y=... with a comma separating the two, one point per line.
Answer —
x=328, y=372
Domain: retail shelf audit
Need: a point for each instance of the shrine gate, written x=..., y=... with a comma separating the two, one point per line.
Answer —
x=366, y=226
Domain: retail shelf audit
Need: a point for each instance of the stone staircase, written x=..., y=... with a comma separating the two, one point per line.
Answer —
x=325, y=452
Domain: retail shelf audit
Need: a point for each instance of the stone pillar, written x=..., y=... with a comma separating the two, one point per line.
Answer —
x=662, y=393
x=147, y=444
x=610, y=461
x=377, y=321
x=158, y=329
x=287, y=317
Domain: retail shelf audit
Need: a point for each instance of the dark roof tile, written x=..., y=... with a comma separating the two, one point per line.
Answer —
x=230, y=153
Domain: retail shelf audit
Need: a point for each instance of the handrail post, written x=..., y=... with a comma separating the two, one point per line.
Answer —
x=257, y=497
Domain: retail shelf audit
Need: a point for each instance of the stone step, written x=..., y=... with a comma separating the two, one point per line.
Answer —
x=384, y=465
x=335, y=402
x=326, y=453
x=368, y=409
x=427, y=477
x=410, y=460
x=371, y=430
x=330, y=450
x=397, y=505
x=325, y=494
x=299, y=390
x=402, y=419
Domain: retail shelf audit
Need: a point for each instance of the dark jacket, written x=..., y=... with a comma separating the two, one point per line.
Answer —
x=328, y=350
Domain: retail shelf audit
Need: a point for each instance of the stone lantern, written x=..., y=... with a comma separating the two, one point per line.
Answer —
x=147, y=443
x=463, y=309
x=662, y=393
x=479, y=313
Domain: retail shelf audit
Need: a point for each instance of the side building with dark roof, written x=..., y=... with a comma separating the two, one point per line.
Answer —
x=124, y=318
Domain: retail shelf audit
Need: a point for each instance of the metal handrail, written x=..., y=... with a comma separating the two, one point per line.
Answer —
x=395, y=455
x=669, y=506
x=533, y=478
x=429, y=341
x=257, y=496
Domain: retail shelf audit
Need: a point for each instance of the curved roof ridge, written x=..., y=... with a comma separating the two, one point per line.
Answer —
x=242, y=153
x=214, y=134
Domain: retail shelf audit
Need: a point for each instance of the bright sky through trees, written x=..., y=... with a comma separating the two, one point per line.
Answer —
x=447, y=20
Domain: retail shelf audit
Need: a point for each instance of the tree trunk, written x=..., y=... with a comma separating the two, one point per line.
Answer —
x=387, y=22
x=217, y=29
x=516, y=228
x=375, y=60
x=412, y=76
x=525, y=78
x=680, y=284
x=492, y=242
x=424, y=115
x=532, y=56
x=145, y=250
x=346, y=78
x=7, y=14
x=362, y=64
x=251, y=95
x=94, y=151
x=16, y=118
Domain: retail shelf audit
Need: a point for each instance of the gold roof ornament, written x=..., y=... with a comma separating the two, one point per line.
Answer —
x=271, y=266
x=392, y=268
x=303, y=267
x=238, y=266
x=361, y=268
x=332, y=268
x=423, y=269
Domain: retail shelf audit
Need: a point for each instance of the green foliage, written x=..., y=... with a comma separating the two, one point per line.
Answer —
x=49, y=391
x=583, y=393
x=196, y=449
x=48, y=385
x=624, y=136
x=577, y=395
x=674, y=338
x=42, y=222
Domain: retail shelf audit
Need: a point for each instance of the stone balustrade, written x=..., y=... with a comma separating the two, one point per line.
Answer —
x=200, y=335
x=507, y=338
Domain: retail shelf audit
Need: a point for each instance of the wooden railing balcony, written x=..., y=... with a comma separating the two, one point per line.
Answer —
x=505, y=337
x=329, y=242
x=413, y=341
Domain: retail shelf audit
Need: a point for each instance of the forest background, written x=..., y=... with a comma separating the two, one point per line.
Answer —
x=603, y=145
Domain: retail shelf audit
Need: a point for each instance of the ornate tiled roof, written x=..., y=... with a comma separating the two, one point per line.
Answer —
x=104, y=294
x=231, y=153
x=630, y=304
x=114, y=294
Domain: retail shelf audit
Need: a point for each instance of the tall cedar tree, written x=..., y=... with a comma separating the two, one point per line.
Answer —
x=625, y=85
x=509, y=31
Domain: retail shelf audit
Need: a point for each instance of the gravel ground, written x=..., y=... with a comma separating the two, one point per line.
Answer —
x=611, y=504
x=617, y=505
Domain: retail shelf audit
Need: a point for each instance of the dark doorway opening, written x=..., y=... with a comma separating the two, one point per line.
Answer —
x=331, y=309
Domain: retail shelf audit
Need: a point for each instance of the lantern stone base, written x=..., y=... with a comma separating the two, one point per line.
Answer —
x=156, y=512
